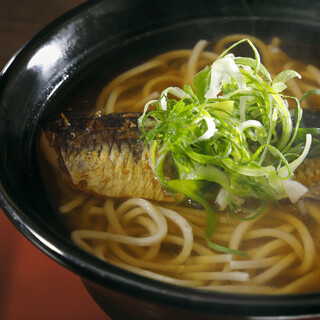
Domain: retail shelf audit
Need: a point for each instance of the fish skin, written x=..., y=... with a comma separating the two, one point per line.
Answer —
x=308, y=173
x=102, y=155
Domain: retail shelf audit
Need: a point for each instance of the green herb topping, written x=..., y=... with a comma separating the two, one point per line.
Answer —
x=233, y=129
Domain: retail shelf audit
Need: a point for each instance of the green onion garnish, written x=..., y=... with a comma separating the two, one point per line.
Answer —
x=233, y=129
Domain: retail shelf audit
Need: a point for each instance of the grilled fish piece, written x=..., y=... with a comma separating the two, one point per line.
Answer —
x=102, y=155
x=308, y=173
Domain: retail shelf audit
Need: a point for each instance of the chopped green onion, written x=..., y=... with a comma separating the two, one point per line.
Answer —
x=231, y=132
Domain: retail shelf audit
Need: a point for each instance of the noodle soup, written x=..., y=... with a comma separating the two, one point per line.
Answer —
x=167, y=241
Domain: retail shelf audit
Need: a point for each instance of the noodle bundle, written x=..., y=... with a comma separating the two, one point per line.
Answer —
x=167, y=242
x=177, y=68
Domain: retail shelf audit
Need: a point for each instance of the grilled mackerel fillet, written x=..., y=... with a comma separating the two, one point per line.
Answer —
x=102, y=155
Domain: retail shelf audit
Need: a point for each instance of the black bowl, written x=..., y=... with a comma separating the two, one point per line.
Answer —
x=95, y=42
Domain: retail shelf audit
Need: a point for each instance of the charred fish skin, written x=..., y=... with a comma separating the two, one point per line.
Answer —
x=308, y=173
x=103, y=155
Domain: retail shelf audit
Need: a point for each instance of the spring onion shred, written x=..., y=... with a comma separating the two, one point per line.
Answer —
x=232, y=129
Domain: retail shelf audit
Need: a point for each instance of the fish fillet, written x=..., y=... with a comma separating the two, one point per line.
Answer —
x=102, y=155
x=308, y=173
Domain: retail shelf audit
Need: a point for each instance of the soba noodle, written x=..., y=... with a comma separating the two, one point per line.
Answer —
x=167, y=243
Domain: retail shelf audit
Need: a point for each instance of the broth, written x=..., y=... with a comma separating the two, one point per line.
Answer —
x=282, y=243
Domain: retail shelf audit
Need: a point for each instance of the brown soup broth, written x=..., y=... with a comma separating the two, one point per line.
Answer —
x=291, y=262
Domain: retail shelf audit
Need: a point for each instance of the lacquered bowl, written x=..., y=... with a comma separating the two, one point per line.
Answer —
x=95, y=42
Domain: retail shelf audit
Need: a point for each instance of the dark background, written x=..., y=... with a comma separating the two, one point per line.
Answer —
x=32, y=286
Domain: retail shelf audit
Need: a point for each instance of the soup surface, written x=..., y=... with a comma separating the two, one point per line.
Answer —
x=155, y=236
